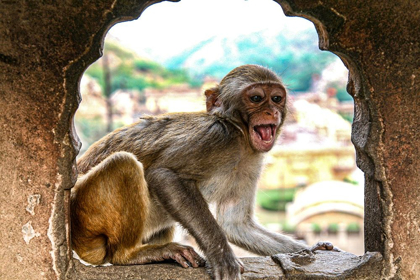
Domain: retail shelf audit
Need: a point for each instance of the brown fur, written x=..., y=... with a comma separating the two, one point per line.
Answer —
x=136, y=182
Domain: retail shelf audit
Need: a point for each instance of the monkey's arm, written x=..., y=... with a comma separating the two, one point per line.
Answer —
x=236, y=218
x=183, y=201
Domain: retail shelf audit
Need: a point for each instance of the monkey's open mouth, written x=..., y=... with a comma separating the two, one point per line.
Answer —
x=265, y=132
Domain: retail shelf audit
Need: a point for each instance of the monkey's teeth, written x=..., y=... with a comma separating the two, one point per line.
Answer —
x=268, y=141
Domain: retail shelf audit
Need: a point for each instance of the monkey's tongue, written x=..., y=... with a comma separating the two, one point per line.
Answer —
x=265, y=132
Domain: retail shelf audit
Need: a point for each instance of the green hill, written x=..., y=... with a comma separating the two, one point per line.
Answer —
x=129, y=71
x=296, y=57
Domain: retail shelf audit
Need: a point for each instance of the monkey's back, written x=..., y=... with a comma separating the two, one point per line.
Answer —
x=186, y=143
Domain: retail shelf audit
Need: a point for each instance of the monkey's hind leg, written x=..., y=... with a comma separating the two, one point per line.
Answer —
x=161, y=248
x=109, y=206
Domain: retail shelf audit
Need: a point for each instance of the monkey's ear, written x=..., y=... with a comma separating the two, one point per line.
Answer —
x=212, y=98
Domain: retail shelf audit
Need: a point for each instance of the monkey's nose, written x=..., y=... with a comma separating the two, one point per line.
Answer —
x=272, y=113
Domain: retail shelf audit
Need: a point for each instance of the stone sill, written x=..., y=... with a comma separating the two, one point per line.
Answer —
x=302, y=265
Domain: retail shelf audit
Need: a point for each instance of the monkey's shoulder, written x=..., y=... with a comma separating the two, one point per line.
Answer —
x=193, y=122
x=176, y=116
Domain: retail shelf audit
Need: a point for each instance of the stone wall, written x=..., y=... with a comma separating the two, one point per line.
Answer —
x=46, y=45
x=380, y=44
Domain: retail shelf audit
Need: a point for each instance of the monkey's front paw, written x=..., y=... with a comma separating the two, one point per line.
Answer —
x=229, y=268
x=184, y=255
x=324, y=245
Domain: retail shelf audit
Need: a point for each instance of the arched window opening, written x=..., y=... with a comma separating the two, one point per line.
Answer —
x=311, y=187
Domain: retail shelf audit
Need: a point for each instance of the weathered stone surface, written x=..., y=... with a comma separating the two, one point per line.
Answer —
x=44, y=48
x=329, y=265
x=261, y=268
x=164, y=271
x=380, y=44
x=302, y=265
x=255, y=268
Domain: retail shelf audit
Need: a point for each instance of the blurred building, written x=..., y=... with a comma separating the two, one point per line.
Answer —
x=330, y=210
x=177, y=98
x=314, y=146
x=293, y=167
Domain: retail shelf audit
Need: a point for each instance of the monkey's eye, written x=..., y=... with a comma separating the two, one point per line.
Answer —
x=256, y=98
x=276, y=99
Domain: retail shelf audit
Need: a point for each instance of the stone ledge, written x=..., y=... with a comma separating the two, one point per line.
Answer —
x=255, y=268
x=302, y=265
x=330, y=265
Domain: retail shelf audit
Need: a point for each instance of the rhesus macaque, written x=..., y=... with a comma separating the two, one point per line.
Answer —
x=138, y=181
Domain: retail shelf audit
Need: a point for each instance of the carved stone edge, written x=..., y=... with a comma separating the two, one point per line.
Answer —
x=301, y=265
x=329, y=265
x=255, y=268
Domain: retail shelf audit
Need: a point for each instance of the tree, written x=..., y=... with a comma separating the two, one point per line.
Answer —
x=107, y=91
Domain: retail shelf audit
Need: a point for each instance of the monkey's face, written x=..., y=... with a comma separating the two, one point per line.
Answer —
x=264, y=113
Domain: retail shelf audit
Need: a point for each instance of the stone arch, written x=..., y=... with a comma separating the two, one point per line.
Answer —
x=46, y=46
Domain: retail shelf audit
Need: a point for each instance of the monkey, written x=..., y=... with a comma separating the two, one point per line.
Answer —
x=137, y=182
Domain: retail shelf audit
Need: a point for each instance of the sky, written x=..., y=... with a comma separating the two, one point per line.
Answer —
x=167, y=28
